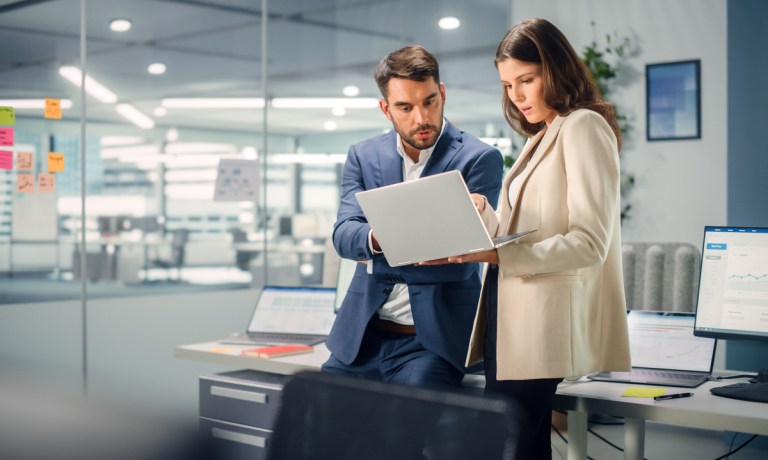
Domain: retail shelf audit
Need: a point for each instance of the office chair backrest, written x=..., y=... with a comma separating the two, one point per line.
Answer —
x=329, y=416
x=661, y=276
x=179, y=240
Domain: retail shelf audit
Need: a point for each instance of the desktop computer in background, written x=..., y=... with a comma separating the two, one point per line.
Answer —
x=733, y=296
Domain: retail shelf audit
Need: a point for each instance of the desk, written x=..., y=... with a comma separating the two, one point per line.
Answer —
x=580, y=398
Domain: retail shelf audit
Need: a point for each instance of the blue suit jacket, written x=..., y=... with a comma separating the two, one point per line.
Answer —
x=443, y=298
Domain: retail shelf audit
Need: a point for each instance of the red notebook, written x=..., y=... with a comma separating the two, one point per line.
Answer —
x=275, y=351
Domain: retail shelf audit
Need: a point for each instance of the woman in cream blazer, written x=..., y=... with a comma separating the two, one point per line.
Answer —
x=552, y=303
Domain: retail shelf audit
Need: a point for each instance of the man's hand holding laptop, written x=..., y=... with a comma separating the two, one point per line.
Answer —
x=490, y=256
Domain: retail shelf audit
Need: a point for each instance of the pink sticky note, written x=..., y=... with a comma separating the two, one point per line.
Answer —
x=6, y=159
x=6, y=137
x=46, y=182
x=25, y=183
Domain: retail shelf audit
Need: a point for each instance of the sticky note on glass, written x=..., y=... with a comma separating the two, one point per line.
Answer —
x=643, y=392
x=7, y=116
x=25, y=183
x=46, y=182
x=53, y=109
x=6, y=137
x=24, y=161
x=55, y=162
x=6, y=159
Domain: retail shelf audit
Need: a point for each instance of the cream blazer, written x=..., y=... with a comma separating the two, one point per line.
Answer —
x=561, y=305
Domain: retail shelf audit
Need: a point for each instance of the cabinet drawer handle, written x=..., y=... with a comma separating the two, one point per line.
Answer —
x=242, y=438
x=249, y=396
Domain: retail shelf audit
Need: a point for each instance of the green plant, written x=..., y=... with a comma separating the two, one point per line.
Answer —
x=604, y=73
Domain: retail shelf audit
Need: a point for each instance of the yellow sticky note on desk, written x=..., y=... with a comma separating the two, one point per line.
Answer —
x=643, y=392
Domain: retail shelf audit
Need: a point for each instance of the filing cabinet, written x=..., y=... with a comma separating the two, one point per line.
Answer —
x=238, y=410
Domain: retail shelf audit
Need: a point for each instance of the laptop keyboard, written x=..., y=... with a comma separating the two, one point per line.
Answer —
x=666, y=374
x=278, y=337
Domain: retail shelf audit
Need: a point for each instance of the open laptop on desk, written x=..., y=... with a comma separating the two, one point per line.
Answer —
x=665, y=351
x=302, y=315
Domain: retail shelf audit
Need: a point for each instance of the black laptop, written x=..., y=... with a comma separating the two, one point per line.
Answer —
x=302, y=315
x=665, y=351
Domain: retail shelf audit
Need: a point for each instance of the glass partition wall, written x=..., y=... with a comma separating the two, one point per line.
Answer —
x=174, y=91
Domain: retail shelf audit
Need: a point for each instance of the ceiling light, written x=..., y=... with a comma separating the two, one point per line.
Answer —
x=159, y=111
x=324, y=102
x=249, y=152
x=214, y=103
x=172, y=135
x=329, y=125
x=135, y=116
x=120, y=25
x=115, y=140
x=449, y=23
x=198, y=147
x=339, y=111
x=157, y=68
x=92, y=87
x=32, y=103
x=351, y=90
x=308, y=158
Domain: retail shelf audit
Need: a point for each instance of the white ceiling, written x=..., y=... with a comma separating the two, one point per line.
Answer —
x=212, y=48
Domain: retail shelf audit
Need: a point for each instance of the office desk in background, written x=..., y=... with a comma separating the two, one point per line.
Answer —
x=703, y=410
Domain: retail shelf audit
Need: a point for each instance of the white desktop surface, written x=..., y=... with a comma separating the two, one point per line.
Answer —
x=702, y=410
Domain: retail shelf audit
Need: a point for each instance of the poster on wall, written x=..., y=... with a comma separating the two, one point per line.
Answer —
x=673, y=100
x=237, y=180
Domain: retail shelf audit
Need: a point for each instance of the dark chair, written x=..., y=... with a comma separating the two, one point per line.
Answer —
x=179, y=240
x=242, y=257
x=330, y=416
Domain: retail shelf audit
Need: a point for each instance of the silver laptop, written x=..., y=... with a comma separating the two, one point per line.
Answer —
x=302, y=315
x=426, y=219
x=665, y=351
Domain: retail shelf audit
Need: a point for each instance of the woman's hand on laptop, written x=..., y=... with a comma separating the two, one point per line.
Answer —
x=479, y=201
x=490, y=256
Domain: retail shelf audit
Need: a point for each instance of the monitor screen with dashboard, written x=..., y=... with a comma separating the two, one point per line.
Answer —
x=733, y=284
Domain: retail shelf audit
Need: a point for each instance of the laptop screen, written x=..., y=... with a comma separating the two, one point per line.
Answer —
x=294, y=310
x=665, y=340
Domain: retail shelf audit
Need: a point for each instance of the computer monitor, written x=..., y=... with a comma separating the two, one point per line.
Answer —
x=733, y=284
x=733, y=293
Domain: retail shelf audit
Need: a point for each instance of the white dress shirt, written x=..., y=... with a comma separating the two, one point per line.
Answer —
x=397, y=308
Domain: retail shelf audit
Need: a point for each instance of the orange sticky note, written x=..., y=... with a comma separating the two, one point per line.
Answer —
x=55, y=162
x=24, y=161
x=53, y=109
x=46, y=183
x=25, y=183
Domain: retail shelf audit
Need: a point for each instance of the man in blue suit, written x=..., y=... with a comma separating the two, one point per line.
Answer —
x=409, y=324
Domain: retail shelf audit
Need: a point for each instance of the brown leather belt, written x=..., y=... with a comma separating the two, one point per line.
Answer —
x=389, y=327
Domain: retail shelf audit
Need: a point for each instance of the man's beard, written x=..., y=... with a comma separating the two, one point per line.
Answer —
x=421, y=145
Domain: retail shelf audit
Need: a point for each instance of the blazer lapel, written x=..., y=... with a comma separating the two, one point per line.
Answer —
x=547, y=136
x=390, y=162
x=448, y=146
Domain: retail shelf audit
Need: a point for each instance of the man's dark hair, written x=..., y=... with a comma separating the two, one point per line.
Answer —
x=413, y=62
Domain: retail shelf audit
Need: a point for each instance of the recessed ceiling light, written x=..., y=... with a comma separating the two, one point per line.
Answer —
x=449, y=23
x=172, y=135
x=351, y=91
x=339, y=111
x=329, y=125
x=157, y=68
x=120, y=25
x=160, y=111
